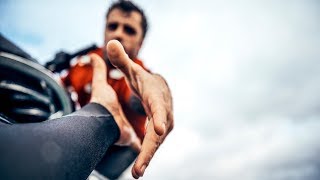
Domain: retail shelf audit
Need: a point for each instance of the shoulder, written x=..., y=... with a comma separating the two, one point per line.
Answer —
x=138, y=61
x=84, y=60
x=98, y=51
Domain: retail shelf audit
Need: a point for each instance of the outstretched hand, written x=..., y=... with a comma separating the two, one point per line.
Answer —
x=156, y=99
x=103, y=93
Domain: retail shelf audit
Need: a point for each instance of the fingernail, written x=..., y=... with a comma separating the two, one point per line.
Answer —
x=143, y=168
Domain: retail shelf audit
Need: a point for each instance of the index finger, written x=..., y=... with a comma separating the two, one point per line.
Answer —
x=118, y=57
x=150, y=145
x=159, y=116
x=99, y=69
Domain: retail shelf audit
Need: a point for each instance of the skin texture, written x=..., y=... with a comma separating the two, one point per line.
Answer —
x=103, y=94
x=123, y=40
x=156, y=98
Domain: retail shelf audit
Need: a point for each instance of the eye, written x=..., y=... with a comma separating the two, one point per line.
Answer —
x=130, y=30
x=112, y=26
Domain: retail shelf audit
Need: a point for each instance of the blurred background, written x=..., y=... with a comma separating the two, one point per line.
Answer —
x=244, y=76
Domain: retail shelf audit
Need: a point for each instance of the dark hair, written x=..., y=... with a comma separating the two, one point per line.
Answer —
x=128, y=6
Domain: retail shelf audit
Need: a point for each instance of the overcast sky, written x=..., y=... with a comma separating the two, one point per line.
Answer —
x=244, y=75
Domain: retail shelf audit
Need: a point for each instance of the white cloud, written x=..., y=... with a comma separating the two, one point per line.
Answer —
x=244, y=75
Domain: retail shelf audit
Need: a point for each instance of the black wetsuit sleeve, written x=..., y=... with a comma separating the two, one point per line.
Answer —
x=66, y=148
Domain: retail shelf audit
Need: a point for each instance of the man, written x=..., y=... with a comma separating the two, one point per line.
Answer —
x=68, y=147
x=126, y=23
x=125, y=29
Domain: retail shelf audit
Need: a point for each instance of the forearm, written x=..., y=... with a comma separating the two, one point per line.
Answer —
x=66, y=148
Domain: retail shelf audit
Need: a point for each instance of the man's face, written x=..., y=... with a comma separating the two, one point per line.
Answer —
x=126, y=28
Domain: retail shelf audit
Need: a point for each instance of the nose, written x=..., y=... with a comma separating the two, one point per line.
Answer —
x=118, y=34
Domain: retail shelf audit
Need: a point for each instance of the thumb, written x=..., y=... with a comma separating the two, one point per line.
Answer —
x=118, y=57
x=135, y=141
x=129, y=138
x=99, y=70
